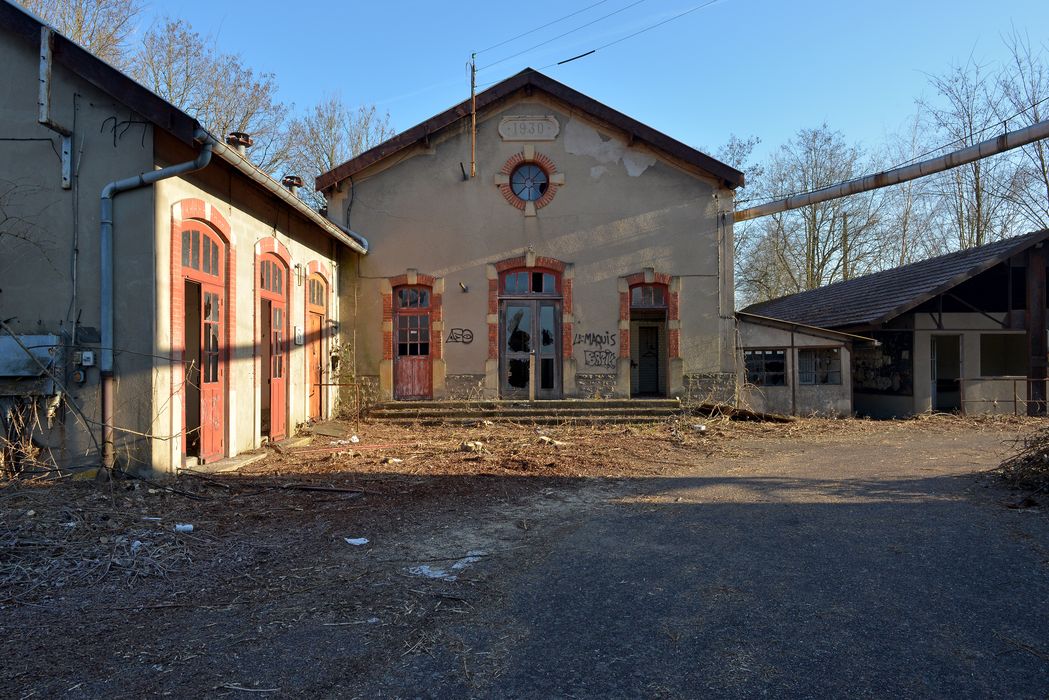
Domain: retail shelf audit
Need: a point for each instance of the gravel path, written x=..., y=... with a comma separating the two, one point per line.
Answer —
x=855, y=567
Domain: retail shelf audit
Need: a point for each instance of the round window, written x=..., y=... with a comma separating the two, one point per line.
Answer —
x=529, y=182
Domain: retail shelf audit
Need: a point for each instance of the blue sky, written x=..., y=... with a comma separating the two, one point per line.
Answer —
x=749, y=67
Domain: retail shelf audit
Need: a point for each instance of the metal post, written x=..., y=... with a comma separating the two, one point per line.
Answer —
x=1037, y=345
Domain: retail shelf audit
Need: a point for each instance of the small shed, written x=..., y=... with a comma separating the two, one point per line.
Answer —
x=964, y=332
x=795, y=369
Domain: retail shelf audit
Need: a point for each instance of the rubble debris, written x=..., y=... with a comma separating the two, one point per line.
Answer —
x=183, y=527
x=356, y=541
x=546, y=440
x=472, y=446
x=391, y=460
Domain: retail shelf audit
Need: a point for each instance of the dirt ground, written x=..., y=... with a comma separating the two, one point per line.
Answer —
x=273, y=592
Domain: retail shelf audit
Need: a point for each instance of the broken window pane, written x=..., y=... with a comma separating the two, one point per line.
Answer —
x=517, y=373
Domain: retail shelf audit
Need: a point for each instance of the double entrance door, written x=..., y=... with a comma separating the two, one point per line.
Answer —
x=530, y=349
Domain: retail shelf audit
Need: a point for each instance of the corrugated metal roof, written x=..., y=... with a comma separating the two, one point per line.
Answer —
x=879, y=297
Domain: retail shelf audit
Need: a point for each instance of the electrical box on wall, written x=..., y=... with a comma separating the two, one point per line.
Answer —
x=299, y=340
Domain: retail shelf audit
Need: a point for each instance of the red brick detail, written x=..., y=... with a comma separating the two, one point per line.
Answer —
x=493, y=341
x=510, y=263
x=493, y=296
x=544, y=162
x=421, y=280
x=566, y=293
x=269, y=244
x=387, y=345
x=436, y=337
x=194, y=209
x=566, y=341
x=673, y=312
x=319, y=267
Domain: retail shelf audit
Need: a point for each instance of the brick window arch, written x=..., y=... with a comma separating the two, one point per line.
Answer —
x=554, y=179
x=529, y=263
x=649, y=285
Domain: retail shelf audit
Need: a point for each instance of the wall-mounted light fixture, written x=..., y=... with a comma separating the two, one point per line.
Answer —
x=462, y=285
x=298, y=274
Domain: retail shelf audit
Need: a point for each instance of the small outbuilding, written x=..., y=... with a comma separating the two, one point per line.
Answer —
x=963, y=332
x=795, y=369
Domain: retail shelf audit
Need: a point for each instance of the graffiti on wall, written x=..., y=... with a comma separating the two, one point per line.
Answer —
x=461, y=335
x=596, y=340
x=605, y=359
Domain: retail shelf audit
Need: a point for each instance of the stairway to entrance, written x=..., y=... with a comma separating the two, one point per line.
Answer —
x=592, y=411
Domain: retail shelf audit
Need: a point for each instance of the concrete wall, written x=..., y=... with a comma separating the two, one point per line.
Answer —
x=253, y=219
x=51, y=238
x=621, y=209
x=795, y=398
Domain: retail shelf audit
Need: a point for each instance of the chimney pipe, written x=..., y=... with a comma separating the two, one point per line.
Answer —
x=293, y=183
x=241, y=141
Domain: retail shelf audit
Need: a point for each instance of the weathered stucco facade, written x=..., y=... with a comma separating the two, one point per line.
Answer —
x=618, y=213
x=209, y=357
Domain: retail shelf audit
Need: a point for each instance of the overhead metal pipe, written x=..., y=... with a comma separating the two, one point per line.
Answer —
x=984, y=149
x=110, y=191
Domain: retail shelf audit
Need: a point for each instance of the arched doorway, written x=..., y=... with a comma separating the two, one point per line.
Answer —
x=272, y=345
x=412, y=346
x=530, y=333
x=202, y=288
x=316, y=343
x=648, y=334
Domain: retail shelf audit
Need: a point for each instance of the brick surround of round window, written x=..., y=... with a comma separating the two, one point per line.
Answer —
x=543, y=162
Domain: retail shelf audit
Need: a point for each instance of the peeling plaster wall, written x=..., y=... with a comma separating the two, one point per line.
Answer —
x=621, y=209
x=37, y=243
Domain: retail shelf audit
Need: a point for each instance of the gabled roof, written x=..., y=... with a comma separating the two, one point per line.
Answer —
x=159, y=112
x=882, y=296
x=527, y=80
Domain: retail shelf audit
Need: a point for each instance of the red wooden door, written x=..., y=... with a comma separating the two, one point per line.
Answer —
x=212, y=375
x=316, y=305
x=278, y=378
x=315, y=358
x=204, y=342
x=273, y=333
x=412, y=362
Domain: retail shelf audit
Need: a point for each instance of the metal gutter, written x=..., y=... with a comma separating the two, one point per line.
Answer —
x=105, y=364
x=990, y=147
x=355, y=241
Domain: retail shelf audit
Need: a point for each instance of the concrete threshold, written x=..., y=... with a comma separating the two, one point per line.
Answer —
x=229, y=464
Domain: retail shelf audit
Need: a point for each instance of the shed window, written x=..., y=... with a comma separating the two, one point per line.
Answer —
x=819, y=366
x=1003, y=355
x=766, y=367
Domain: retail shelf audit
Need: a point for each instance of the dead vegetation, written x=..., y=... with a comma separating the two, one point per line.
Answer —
x=1029, y=468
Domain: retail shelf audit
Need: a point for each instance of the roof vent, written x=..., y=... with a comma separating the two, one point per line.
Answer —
x=293, y=183
x=241, y=141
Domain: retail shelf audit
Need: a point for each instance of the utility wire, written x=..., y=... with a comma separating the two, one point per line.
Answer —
x=651, y=27
x=548, y=24
x=611, y=43
x=561, y=36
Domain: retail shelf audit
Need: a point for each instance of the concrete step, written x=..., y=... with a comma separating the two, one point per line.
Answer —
x=510, y=403
x=528, y=420
x=519, y=413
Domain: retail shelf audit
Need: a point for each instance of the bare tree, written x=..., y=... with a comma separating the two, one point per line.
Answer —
x=328, y=135
x=216, y=88
x=909, y=209
x=974, y=196
x=100, y=26
x=1024, y=86
x=809, y=247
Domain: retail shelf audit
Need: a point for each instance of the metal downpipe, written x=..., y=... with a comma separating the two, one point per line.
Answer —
x=106, y=278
